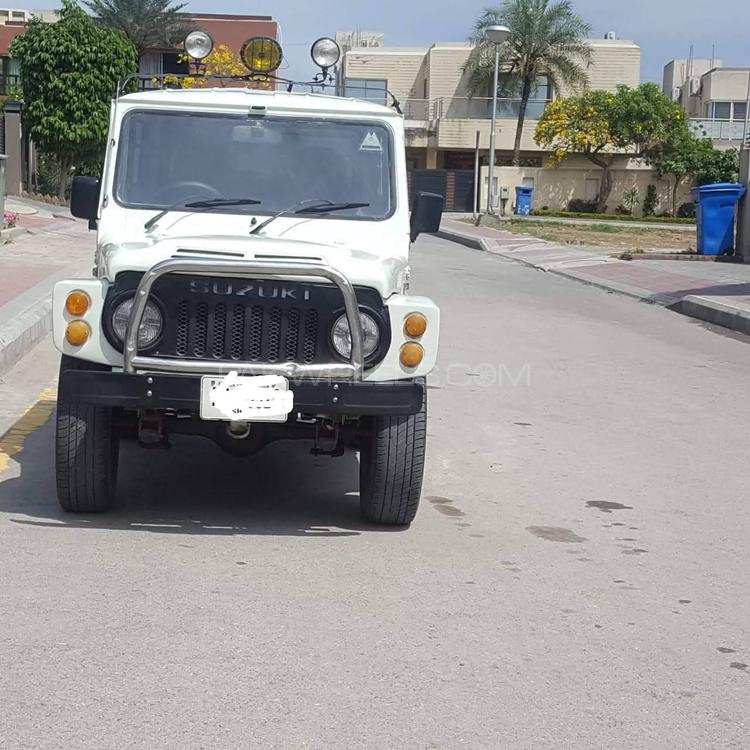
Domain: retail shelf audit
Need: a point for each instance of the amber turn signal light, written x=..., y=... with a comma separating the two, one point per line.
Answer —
x=411, y=354
x=77, y=333
x=415, y=325
x=77, y=303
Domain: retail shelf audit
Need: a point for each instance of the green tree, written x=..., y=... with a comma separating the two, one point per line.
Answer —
x=692, y=157
x=680, y=161
x=69, y=72
x=147, y=23
x=715, y=166
x=546, y=39
x=641, y=123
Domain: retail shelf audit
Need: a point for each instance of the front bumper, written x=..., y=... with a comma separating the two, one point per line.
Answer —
x=182, y=393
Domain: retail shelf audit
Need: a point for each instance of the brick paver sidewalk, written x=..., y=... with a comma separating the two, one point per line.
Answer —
x=717, y=292
x=30, y=265
x=53, y=247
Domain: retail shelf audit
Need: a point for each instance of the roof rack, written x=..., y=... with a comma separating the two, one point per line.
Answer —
x=158, y=81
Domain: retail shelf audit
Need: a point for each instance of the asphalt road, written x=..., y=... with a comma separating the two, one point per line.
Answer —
x=577, y=576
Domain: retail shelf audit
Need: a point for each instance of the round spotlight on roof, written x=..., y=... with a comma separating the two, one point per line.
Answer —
x=325, y=53
x=261, y=54
x=199, y=45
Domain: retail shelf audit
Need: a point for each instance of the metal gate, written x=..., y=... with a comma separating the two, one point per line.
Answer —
x=455, y=185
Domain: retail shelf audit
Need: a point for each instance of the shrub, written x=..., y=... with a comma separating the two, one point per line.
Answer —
x=686, y=211
x=623, y=211
x=48, y=174
x=630, y=200
x=650, y=202
x=580, y=206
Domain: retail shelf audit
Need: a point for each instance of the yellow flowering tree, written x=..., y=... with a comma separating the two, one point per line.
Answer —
x=222, y=63
x=640, y=122
x=581, y=125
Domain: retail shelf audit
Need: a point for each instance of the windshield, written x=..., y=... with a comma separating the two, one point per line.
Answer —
x=167, y=159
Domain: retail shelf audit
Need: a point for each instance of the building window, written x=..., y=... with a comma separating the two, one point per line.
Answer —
x=172, y=64
x=727, y=111
x=10, y=76
x=374, y=90
x=506, y=160
x=509, y=97
x=720, y=110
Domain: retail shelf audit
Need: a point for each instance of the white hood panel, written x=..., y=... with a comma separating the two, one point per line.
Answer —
x=381, y=271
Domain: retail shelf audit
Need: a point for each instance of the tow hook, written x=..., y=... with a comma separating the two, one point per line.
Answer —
x=151, y=431
x=327, y=440
x=238, y=430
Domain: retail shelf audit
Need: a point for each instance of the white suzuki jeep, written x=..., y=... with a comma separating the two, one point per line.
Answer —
x=251, y=284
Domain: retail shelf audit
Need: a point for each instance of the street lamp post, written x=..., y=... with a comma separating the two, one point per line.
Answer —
x=498, y=35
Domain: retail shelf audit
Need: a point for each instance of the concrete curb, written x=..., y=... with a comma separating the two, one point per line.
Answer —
x=709, y=309
x=462, y=239
x=26, y=330
x=714, y=310
x=7, y=235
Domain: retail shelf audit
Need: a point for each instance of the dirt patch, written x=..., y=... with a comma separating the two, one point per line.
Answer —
x=619, y=239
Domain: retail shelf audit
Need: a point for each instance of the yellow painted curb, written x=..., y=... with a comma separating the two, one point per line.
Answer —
x=12, y=442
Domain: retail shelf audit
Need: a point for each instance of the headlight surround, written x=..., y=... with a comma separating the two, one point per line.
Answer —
x=341, y=338
x=151, y=325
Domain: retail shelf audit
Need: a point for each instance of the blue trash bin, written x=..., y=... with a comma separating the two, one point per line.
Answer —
x=715, y=208
x=524, y=200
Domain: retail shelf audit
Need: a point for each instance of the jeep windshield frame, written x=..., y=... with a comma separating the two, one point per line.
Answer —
x=272, y=158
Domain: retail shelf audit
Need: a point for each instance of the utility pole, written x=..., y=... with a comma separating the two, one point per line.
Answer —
x=497, y=35
x=743, y=210
x=742, y=243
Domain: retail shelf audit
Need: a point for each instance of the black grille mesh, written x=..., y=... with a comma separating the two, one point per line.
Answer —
x=249, y=334
x=182, y=328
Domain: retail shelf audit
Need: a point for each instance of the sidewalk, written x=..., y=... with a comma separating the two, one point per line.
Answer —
x=50, y=249
x=717, y=293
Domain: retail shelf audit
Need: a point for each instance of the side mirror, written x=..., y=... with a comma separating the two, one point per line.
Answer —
x=84, y=199
x=426, y=212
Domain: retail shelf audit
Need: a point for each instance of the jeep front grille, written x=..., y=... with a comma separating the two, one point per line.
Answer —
x=246, y=333
x=252, y=321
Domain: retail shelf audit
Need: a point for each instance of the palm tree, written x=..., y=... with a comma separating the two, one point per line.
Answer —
x=147, y=23
x=546, y=39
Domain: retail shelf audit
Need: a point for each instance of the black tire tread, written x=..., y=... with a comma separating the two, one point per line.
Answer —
x=86, y=452
x=393, y=469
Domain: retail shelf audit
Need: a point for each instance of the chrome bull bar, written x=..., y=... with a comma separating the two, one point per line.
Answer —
x=253, y=269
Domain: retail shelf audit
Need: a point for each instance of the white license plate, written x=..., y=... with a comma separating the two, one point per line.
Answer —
x=246, y=398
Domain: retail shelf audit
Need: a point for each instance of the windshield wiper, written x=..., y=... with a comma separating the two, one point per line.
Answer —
x=329, y=207
x=316, y=207
x=200, y=204
x=222, y=202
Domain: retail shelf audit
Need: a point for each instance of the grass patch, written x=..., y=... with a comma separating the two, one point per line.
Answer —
x=624, y=241
x=597, y=228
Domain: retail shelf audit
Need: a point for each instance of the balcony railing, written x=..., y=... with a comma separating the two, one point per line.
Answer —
x=718, y=130
x=8, y=84
x=417, y=110
x=481, y=109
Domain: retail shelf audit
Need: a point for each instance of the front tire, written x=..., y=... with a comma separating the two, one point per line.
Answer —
x=87, y=452
x=392, y=468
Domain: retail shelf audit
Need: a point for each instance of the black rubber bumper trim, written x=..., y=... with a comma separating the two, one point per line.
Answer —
x=161, y=391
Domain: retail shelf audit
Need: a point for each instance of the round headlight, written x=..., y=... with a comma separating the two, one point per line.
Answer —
x=325, y=53
x=151, y=324
x=261, y=55
x=198, y=44
x=342, y=339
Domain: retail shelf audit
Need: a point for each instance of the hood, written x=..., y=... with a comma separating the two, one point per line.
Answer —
x=373, y=254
